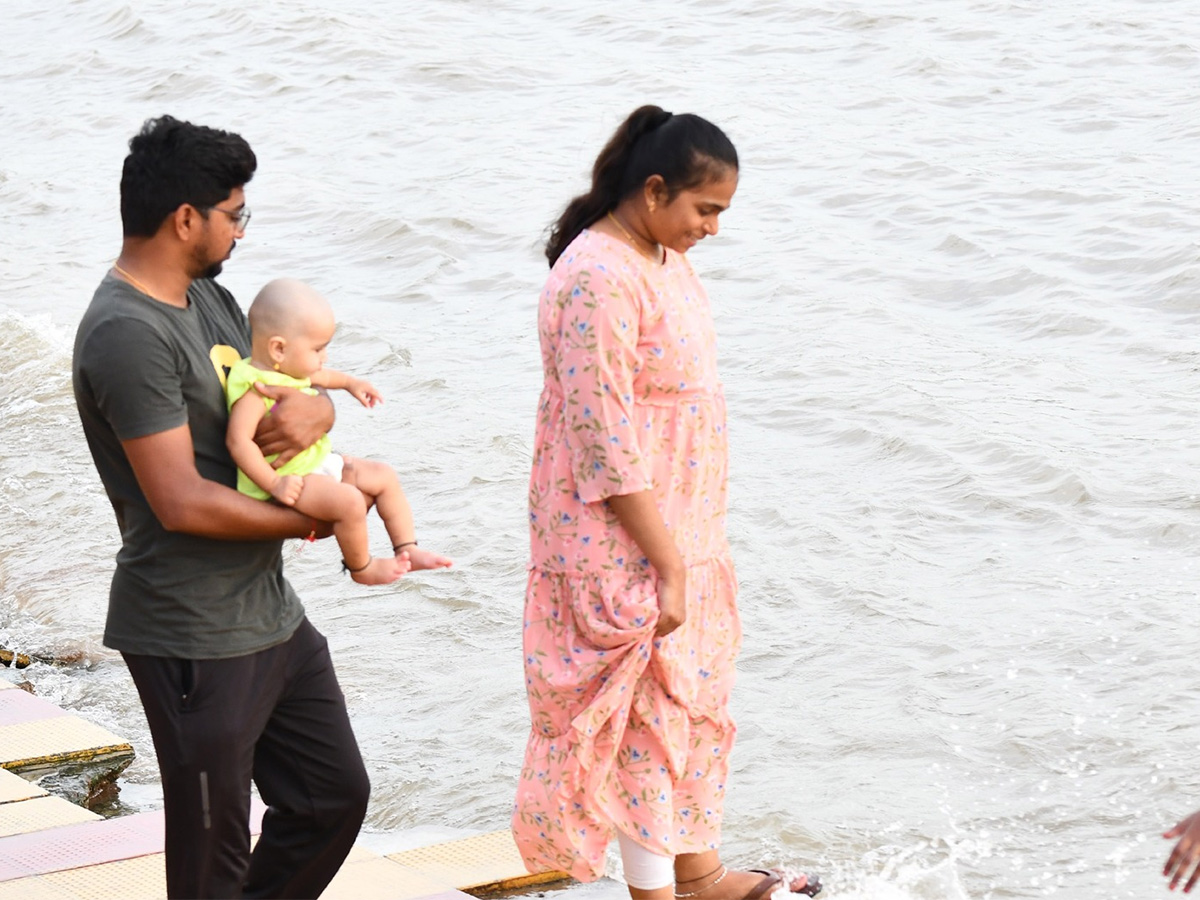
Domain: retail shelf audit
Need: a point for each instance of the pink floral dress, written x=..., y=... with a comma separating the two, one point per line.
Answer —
x=629, y=731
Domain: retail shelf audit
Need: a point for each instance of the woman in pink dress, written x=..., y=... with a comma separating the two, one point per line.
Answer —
x=631, y=625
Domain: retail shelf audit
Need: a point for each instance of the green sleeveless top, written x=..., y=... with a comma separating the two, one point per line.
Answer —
x=241, y=378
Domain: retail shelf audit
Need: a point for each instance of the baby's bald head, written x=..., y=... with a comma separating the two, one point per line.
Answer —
x=286, y=307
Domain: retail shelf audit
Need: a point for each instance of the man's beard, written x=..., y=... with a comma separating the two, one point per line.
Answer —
x=212, y=269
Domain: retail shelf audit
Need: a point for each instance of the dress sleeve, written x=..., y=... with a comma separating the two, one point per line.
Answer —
x=598, y=359
x=134, y=377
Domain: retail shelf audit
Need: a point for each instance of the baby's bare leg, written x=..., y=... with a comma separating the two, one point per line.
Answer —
x=339, y=503
x=379, y=483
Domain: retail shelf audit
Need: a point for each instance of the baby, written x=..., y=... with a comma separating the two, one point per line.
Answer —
x=291, y=326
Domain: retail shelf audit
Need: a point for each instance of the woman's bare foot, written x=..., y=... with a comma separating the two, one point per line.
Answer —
x=380, y=570
x=423, y=559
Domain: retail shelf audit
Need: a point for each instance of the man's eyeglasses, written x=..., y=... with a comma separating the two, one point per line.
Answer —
x=241, y=218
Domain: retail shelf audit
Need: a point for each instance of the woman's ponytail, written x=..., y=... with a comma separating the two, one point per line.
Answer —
x=609, y=175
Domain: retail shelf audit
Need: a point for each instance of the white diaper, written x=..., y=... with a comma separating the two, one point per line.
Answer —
x=332, y=466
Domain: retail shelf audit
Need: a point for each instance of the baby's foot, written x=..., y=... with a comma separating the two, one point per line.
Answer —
x=423, y=559
x=380, y=570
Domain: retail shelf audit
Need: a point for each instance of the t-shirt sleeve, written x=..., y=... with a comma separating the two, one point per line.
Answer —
x=133, y=373
x=597, y=358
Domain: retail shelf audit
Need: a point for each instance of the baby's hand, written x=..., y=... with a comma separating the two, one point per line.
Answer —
x=424, y=559
x=287, y=488
x=364, y=392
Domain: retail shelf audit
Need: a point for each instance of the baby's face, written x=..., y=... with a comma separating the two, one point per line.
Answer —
x=304, y=354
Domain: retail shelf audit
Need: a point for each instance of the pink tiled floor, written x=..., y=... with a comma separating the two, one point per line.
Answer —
x=88, y=844
x=18, y=707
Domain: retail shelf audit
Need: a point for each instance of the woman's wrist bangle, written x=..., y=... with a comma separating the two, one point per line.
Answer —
x=312, y=533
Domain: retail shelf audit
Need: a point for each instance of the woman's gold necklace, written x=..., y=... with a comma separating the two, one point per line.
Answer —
x=636, y=245
x=137, y=284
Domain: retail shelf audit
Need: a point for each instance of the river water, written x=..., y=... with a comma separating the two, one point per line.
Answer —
x=956, y=298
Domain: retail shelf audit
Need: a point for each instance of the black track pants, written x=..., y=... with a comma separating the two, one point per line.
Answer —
x=279, y=717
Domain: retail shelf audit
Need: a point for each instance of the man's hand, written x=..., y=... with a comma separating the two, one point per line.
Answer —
x=296, y=421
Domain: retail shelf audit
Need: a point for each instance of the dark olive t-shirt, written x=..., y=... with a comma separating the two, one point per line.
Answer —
x=142, y=367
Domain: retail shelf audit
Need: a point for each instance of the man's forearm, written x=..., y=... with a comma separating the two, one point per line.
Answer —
x=213, y=510
x=185, y=501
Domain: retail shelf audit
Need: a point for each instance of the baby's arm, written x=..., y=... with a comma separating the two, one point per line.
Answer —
x=360, y=389
x=244, y=417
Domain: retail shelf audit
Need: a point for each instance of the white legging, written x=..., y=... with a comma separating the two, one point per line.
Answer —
x=645, y=869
